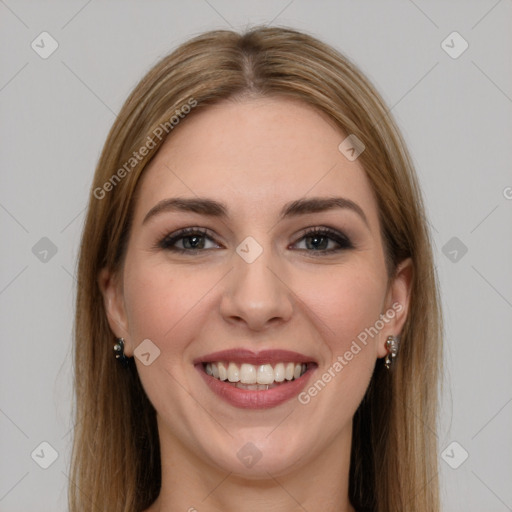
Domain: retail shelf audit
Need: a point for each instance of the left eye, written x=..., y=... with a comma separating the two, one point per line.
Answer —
x=319, y=240
x=316, y=240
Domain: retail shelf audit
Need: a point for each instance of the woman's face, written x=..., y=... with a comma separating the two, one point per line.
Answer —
x=247, y=277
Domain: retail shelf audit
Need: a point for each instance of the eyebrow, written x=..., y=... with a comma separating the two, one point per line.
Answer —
x=212, y=208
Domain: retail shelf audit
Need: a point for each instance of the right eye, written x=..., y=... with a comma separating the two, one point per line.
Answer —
x=191, y=239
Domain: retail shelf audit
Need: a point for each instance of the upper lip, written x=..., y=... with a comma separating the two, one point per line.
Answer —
x=240, y=355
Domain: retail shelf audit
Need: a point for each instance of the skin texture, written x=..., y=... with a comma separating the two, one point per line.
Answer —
x=254, y=155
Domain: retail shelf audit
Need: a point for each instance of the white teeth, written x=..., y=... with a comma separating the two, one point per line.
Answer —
x=259, y=376
x=223, y=372
x=248, y=374
x=279, y=372
x=233, y=373
x=252, y=387
x=265, y=374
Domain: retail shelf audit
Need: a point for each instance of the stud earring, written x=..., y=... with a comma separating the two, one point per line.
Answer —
x=392, y=345
x=119, y=352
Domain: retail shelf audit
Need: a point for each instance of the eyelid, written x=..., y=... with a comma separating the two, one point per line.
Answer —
x=321, y=228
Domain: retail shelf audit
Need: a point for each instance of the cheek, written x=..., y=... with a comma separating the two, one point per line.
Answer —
x=343, y=302
x=162, y=301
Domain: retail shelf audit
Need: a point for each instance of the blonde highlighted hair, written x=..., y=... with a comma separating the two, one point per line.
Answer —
x=116, y=456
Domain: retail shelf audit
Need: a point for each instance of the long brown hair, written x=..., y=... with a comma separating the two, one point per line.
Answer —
x=116, y=458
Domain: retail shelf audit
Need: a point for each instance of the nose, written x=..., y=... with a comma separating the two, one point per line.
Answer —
x=256, y=294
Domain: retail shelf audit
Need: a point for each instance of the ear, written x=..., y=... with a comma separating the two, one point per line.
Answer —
x=113, y=301
x=396, y=305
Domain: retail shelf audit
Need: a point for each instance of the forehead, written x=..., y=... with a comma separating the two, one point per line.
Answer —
x=255, y=155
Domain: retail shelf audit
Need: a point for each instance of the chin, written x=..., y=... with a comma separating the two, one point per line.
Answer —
x=256, y=453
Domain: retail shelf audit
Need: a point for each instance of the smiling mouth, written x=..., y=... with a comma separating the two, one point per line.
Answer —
x=255, y=377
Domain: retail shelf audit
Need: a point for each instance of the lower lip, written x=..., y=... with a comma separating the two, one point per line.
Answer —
x=256, y=399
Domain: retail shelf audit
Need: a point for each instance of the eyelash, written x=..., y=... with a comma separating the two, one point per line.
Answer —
x=341, y=239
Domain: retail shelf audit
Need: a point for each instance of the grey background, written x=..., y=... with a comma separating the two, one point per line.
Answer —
x=454, y=113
